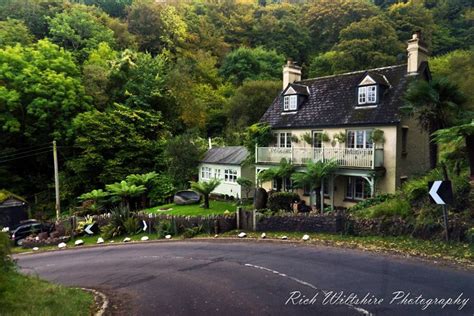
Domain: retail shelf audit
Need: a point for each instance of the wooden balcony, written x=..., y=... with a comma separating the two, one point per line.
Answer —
x=345, y=157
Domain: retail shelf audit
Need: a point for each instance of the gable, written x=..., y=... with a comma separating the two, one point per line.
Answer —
x=290, y=90
x=367, y=81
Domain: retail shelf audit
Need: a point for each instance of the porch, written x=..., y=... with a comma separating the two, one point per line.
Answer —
x=366, y=158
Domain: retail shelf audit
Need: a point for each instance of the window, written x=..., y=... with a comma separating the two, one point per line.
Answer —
x=359, y=139
x=205, y=173
x=230, y=175
x=404, y=140
x=284, y=140
x=290, y=103
x=357, y=188
x=217, y=173
x=326, y=190
x=367, y=95
x=317, y=139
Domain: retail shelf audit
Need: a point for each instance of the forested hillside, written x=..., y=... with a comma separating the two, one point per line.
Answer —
x=137, y=86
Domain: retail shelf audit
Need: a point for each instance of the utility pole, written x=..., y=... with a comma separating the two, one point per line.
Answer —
x=56, y=180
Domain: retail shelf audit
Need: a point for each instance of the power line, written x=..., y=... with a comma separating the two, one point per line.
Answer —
x=26, y=156
x=12, y=155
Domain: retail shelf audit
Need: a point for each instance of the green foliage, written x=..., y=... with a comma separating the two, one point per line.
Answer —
x=252, y=64
x=205, y=188
x=362, y=205
x=378, y=136
x=6, y=262
x=80, y=30
x=95, y=195
x=166, y=227
x=314, y=173
x=116, y=226
x=417, y=188
x=282, y=201
x=284, y=170
x=131, y=225
x=124, y=191
x=193, y=231
x=246, y=184
x=14, y=32
x=162, y=188
x=389, y=208
x=340, y=137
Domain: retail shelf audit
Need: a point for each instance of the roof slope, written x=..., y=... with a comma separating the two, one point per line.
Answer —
x=5, y=195
x=229, y=155
x=333, y=100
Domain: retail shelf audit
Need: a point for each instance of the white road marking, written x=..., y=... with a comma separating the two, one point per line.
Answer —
x=358, y=309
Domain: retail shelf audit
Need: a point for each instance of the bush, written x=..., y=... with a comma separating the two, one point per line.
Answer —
x=282, y=201
x=5, y=260
x=162, y=189
x=389, y=208
x=116, y=226
x=192, y=231
x=371, y=202
x=166, y=227
x=131, y=225
x=416, y=189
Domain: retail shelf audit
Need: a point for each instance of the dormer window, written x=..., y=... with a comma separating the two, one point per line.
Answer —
x=367, y=95
x=290, y=103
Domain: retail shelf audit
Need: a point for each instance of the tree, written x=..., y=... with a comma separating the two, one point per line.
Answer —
x=246, y=184
x=436, y=105
x=250, y=102
x=14, y=31
x=252, y=64
x=80, y=30
x=125, y=191
x=258, y=134
x=326, y=18
x=115, y=8
x=283, y=171
x=111, y=144
x=157, y=26
x=205, y=188
x=148, y=180
x=181, y=157
x=313, y=175
x=368, y=43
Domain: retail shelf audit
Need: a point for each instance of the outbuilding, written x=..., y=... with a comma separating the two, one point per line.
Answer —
x=13, y=209
x=228, y=164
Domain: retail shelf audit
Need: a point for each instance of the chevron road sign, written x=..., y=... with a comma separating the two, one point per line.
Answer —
x=440, y=192
x=145, y=226
x=88, y=229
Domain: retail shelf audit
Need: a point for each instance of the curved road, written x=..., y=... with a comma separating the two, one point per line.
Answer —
x=256, y=278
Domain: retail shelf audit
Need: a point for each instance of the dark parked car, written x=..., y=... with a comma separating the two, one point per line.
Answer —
x=29, y=227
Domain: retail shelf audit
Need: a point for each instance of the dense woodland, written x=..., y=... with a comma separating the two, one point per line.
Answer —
x=129, y=87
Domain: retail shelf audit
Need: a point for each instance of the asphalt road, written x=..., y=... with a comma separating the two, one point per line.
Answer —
x=255, y=278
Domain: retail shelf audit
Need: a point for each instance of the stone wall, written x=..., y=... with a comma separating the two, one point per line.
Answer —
x=301, y=222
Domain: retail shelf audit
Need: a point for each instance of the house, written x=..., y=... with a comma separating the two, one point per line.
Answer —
x=13, y=209
x=227, y=164
x=354, y=119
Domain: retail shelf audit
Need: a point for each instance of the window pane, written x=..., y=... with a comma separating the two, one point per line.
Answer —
x=368, y=139
x=286, y=103
x=317, y=142
x=282, y=140
x=362, y=95
x=350, y=188
x=371, y=94
x=293, y=102
x=360, y=139
x=288, y=139
x=359, y=188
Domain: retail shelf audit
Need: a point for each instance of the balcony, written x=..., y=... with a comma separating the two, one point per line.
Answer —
x=345, y=157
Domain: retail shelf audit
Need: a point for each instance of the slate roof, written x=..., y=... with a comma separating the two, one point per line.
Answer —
x=229, y=155
x=333, y=101
x=299, y=89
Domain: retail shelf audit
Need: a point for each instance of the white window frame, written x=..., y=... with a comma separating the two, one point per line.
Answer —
x=290, y=103
x=366, y=139
x=230, y=175
x=286, y=139
x=367, y=95
x=217, y=173
x=206, y=173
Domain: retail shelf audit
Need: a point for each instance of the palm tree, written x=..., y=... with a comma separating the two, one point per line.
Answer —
x=147, y=180
x=435, y=104
x=125, y=191
x=94, y=195
x=283, y=171
x=313, y=175
x=205, y=188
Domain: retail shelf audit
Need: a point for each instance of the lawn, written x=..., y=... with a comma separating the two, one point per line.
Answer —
x=216, y=208
x=29, y=295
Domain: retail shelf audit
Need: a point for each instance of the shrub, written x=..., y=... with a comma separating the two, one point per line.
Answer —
x=5, y=260
x=192, y=231
x=371, y=202
x=389, y=208
x=162, y=189
x=416, y=189
x=131, y=225
x=282, y=201
x=116, y=226
x=166, y=227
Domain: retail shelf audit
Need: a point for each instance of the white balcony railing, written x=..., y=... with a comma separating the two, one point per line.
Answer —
x=345, y=157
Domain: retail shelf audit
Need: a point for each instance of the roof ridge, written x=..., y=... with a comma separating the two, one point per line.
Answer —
x=350, y=73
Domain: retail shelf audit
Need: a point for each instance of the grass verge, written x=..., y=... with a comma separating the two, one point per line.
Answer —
x=29, y=295
x=216, y=208
x=457, y=253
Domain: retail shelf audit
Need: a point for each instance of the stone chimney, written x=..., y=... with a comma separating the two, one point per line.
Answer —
x=291, y=73
x=417, y=53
